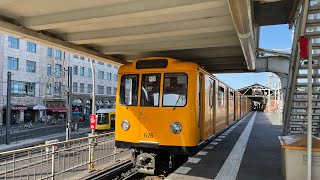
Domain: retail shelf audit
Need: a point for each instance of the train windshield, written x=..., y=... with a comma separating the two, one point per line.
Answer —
x=150, y=90
x=175, y=89
x=129, y=90
x=103, y=119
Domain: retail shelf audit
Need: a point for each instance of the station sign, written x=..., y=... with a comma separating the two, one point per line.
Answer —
x=93, y=121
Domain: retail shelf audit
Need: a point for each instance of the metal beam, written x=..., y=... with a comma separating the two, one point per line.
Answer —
x=131, y=21
x=273, y=64
x=195, y=26
x=48, y=40
x=117, y=12
x=185, y=35
x=241, y=14
x=220, y=60
x=172, y=45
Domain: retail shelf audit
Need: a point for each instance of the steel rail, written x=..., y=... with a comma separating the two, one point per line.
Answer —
x=114, y=171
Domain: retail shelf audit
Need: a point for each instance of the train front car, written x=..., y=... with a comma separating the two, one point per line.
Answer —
x=156, y=111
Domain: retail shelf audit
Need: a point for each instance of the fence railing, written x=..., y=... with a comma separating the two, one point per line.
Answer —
x=61, y=160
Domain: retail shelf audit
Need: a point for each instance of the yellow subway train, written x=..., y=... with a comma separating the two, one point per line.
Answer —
x=166, y=109
x=105, y=119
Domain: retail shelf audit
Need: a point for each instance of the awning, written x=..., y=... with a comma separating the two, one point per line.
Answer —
x=19, y=107
x=76, y=104
x=39, y=107
x=57, y=109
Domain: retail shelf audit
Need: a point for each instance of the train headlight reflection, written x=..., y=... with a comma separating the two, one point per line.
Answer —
x=125, y=125
x=176, y=128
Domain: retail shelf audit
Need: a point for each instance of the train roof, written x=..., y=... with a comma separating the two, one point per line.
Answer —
x=171, y=64
x=104, y=110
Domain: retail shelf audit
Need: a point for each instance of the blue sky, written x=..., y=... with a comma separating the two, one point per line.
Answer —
x=271, y=37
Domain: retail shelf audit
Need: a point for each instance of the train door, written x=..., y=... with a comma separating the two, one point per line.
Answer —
x=149, y=104
x=200, y=106
x=128, y=104
x=211, y=105
x=207, y=108
x=227, y=105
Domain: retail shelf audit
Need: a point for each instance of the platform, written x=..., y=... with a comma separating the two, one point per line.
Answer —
x=249, y=150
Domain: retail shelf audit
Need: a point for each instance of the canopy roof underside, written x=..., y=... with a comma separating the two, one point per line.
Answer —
x=202, y=31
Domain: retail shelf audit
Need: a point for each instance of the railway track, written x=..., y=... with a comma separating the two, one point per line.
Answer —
x=123, y=170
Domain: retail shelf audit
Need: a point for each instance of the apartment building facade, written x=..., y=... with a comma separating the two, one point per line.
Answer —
x=39, y=81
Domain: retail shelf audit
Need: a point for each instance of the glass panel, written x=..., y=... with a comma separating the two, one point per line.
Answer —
x=103, y=119
x=150, y=90
x=31, y=66
x=175, y=89
x=48, y=69
x=221, y=97
x=129, y=90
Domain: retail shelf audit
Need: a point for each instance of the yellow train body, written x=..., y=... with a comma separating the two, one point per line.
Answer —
x=210, y=106
x=105, y=119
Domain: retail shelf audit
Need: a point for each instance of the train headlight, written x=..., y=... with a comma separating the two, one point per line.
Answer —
x=125, y=125
x=176, y=128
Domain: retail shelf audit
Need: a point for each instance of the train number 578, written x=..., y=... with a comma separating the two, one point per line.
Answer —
x=148, y=135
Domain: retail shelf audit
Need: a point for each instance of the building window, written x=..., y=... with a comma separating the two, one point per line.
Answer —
x=58, y=54
x=48, y=89
x=31, y=66
x=57, y=69
x=81, y=57
x=115, y=78
x=90, y=87
x=100, y=63
x=100, y=89
x=57, y=88
x=13, y=42
x=75, y=70
x=114, y=91
x=75, y=56
x=81, y=87
x=49, y=53
x=49, y=69
x=20, y=88
x=100, y=74
x=13, y=63
x=108, y=65
x=81, y=71
x=93, y=61
x=31, y=47
x=108, y=76
x=89, y=72
x=75, y=87
x=108, y=90
x=116, y=67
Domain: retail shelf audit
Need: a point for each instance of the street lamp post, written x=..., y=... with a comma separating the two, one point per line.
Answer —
x=69, y=104
x=8, y=112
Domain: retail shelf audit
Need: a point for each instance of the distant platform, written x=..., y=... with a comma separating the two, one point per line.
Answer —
x=249, y=150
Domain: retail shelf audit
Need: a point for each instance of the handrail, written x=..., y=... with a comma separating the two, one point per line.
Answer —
x=53, y=144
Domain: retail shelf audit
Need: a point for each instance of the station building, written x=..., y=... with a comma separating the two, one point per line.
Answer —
x=39, y=81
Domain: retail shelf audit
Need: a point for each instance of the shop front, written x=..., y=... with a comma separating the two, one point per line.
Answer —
x=57, y=113
x=40, y=112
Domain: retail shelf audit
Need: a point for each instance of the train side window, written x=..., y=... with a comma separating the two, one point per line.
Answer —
x=175, y=90
x=150, y=90
x=221, y=96
x=231, y=98
x=211, y=94
x=103, y=119
x=129, y=90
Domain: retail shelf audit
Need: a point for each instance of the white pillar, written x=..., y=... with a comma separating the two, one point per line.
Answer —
x=21, y=119
x=40, y=114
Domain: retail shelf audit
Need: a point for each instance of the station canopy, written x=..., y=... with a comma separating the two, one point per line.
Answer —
x=220, y=35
